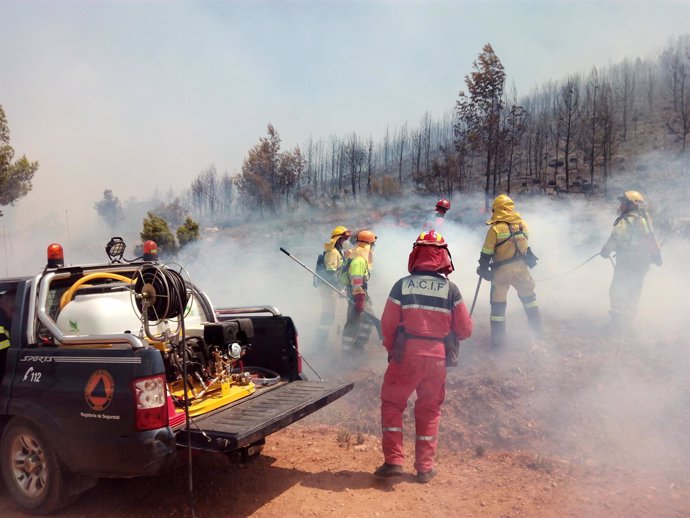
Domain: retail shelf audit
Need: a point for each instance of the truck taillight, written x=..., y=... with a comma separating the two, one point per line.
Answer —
x=151, y=402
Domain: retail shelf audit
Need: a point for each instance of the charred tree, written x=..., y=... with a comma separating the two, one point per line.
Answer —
x=479, y=112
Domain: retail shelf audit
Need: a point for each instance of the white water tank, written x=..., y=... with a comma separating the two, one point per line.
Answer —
x=99, y=314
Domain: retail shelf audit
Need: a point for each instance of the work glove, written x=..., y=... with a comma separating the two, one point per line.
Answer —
x=360, y=299
x=484, y=269
x=485, y=273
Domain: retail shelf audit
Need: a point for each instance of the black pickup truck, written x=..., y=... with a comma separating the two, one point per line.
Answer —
x=119, y=369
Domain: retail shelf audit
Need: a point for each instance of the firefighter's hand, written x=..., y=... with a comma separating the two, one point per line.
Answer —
x=485, y=273
x=604, y=253
x=360, y=299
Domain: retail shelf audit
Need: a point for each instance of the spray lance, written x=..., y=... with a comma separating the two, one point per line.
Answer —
x=372, y=318
x=479, y=281
x=476, y=292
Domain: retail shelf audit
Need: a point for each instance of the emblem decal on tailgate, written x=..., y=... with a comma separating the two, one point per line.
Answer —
x=99, y=390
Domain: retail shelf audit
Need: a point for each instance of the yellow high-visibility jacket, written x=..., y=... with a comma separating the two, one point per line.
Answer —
x=333, y=258
x=633, y=240
x=358, y=269
x=508, y=236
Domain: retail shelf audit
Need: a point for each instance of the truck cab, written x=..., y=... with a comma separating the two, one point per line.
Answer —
x=120, y=369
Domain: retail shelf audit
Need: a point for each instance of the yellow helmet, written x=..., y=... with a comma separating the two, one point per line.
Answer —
x=504, y=202
x=366, y=236
x=633, y=197
x=340, y=231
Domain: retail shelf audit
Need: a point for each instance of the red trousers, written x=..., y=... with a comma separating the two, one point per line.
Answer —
x=426, y=375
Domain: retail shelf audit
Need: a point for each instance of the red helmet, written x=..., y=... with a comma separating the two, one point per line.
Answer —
x=430, y=238
x=430, y=254
x=443, y=204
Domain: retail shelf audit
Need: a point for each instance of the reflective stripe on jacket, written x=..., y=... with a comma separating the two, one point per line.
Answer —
x=426, y=305
x=4, y=338
x=358, y=273
x=355, y=271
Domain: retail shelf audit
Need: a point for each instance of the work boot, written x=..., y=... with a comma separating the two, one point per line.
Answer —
x=498, y=334
x=498, y=324
x=386, y=470
x=534, y=320
x=615, y=328
x=424, y=477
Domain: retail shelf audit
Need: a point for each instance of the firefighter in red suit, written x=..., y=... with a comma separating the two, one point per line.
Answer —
x=423, y=312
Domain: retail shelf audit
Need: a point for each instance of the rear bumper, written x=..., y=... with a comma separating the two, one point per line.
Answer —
x=244, y=423
x=142, y=454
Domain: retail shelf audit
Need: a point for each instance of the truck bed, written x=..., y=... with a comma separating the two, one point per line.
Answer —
x=253, y=418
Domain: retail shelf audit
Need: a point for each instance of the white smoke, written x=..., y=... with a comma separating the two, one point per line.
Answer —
x=635, y=390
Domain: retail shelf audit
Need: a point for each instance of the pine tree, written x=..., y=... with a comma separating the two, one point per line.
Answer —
x=479, y=112
x=109, y=208
x=15, y=178
x=188, y=232
x=259, y=178
x=156, y=229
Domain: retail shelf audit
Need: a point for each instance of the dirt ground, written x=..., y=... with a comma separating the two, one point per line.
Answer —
x=551, y=428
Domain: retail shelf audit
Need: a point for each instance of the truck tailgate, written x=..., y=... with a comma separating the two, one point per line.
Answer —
x=257, y=416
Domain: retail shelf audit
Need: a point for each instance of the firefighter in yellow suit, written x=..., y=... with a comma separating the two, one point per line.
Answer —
x=333, y=258
x=634, y=243
x=355, y=276
x=505, y=260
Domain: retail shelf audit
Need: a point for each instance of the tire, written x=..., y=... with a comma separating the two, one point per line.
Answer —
x=31, y=469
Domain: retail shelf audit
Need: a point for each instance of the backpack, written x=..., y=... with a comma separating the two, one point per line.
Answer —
x=320, y=264
x=320, y=268
x=643, y=239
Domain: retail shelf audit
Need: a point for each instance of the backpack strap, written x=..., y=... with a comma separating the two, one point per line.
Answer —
x=512, y=235
x=517, y=255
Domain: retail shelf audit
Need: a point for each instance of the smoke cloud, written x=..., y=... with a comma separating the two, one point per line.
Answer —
x=603, y=398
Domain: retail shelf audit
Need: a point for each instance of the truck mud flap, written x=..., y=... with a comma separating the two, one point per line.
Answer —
x=255, y=417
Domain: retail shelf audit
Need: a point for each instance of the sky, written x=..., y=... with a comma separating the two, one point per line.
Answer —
x=141, y=96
